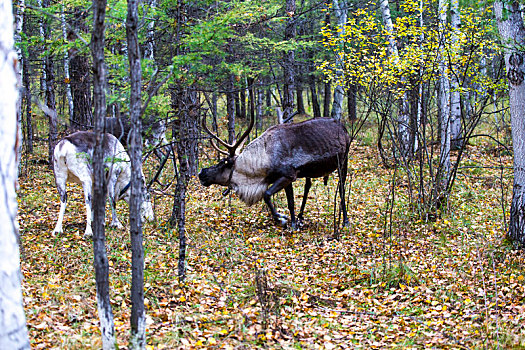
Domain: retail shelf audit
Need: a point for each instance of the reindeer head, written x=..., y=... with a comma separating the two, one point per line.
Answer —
x=221, y=173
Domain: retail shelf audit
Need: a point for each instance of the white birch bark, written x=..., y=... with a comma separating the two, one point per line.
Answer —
x=69, y=96
x=444, y=103
x=150, y=47
x=419, y=114
x=43, y=80
x=455, y=98
x=512, y=31
x=403, y=118
x=13, y=329
x=340, y=11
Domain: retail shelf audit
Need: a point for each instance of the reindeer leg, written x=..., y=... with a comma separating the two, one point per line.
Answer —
x=291, y=205
x=61, y=185
x=113, y=202
x=342, y=169
x=307, y=186
x=278, y=185
x=87, y=185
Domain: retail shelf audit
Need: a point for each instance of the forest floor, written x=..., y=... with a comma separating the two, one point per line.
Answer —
x=390, y=280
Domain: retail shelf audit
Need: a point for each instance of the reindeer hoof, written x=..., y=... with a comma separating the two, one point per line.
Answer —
x=281, y=220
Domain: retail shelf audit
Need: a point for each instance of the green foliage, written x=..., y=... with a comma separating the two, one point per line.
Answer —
x=364, y=50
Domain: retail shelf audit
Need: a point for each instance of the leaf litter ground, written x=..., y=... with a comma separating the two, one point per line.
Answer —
x=451, y=283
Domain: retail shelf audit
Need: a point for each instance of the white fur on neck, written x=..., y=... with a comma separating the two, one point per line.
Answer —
x=249, y=189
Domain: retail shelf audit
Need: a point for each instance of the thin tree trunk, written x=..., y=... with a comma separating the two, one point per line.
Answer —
x=313, y=92
x=184, y=102
x=50, y=90
x=150, y=47
x=339, y=7
x=67, y=77
x=79, y=71
x=214, y=112
x=242, y=101
x=26, y=81
x=300, y=99
x=289, y=62
x=259, y=109
x=105, y=313
x=327, y=98
x=420, y=100
x=351, y=96
x=403, y=117
x=138, y=313
x=42, y=35
x=456, y=140
x=251, y=97
x=13, y=329
x=512, y=31
x=237, y=102
x=230, y=109
x=444, y=110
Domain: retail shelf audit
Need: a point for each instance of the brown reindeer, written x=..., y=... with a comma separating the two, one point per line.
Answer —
x=274, y=160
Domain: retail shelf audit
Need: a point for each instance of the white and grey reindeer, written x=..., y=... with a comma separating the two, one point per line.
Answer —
x=72, y=163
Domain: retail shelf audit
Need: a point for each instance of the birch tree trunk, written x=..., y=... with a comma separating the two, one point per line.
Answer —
x=403, y=118
x=340, y=12
x=150, y=46
x=42, y=35
x=101, y=265
x=444, y=111
x=456, y=140
x=510, y=26
x=67, y=78
x=138, y=313
x=13, y=329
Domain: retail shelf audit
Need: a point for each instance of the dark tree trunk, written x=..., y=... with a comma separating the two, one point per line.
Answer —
x=26, y=81
x=138, y=313
x=289, y=63
x=268, y=98
x=50, y=90
x=259, y=109
x=230, y=110
x=313, y=92
x=79, y=72
x=185, y=104
x=237, y=99
x=327, y=99
x=300, y=100
x=99, y=183
x=50, y=102
x=251, y=98
x=242, y=114
x=351, y=97
x=214, y=112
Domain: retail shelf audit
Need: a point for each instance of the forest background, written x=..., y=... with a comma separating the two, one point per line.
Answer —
x=429, y=92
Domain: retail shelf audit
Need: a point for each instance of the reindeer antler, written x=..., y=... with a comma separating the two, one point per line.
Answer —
x=231, y=148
